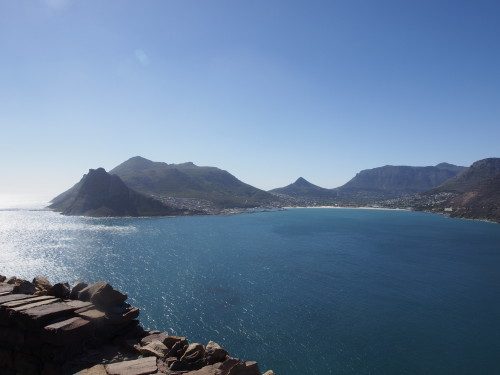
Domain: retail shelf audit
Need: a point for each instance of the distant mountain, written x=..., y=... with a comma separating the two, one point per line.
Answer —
x=450, y=167
x=100, y=194
x=393, y=181
x=479, y=171
x=188, y=180
x=479, y=202
x=302, y=188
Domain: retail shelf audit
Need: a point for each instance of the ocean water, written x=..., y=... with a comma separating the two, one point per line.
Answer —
x=302, y=291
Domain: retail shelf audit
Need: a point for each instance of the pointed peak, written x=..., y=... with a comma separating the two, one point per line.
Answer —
x=302, y=182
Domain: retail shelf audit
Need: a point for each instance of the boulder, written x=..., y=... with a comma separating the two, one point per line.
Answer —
x=171, y=340
x=42, y=284
x=155, y=348
x=23, y=287
x=228, y=364
x=156, y=336
x=178, y=349
x=193, y=353
x=102, y=295
x=78, y=286
x=59, y=290
x=2, y=278
x=214, y=353
x=269, y=372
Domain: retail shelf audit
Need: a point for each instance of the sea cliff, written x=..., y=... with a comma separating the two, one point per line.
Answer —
x=86, y=329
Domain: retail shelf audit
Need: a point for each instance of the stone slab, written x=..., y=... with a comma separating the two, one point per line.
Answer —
x=13, y=297
x=27, y=301
x=8, y=288
x=38, y=317
x=93, y=315
x=67, y=332
x=13, y=311
x=141, y=366
x=77, y=304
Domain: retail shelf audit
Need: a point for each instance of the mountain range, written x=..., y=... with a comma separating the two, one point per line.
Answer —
x=141, y=187
x=375, y=184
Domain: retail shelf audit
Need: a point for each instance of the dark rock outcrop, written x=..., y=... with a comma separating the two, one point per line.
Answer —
x=96, y=334
x=102, y=194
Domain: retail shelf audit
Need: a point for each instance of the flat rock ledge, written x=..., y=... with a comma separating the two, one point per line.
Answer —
x=85, y=329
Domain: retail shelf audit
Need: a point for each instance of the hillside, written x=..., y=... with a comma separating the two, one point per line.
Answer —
x=480, y=202
x=100, y=194
x=479, y=171
x=393, y=181
x=188, y=180
x=304, y=189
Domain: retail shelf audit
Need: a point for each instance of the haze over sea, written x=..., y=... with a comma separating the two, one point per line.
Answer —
x=302, y=291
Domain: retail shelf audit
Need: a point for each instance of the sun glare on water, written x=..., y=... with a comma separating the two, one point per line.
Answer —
x=22, y=202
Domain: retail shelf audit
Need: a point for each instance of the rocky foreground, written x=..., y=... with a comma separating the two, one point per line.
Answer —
x=90, y=330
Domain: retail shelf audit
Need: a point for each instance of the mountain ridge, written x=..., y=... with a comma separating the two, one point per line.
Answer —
x=402, y=179
x=187, y=180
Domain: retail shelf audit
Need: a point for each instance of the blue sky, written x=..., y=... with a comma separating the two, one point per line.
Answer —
x=268, y=90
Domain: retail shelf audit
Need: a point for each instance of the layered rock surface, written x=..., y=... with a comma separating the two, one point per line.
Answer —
x=91, y=330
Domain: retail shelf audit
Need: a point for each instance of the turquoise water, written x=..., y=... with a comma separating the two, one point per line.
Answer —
x=304, y=291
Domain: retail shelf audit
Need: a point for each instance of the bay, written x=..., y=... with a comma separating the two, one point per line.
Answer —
x=302, y=291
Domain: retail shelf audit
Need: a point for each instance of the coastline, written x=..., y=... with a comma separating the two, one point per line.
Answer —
x=350, y=208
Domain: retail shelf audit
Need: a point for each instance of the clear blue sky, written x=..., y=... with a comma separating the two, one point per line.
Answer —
x=269, y=90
